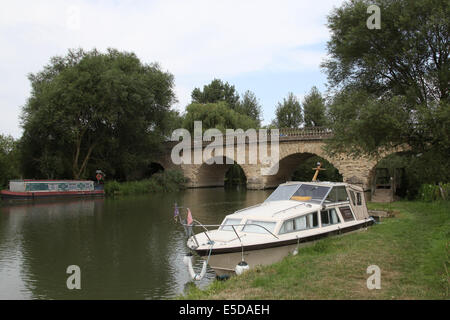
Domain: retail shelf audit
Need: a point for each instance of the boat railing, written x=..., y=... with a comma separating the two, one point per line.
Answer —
x=293, y=207
x=233, y=226
x=256, y=205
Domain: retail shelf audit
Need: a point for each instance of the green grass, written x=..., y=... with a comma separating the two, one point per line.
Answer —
x=411, y=249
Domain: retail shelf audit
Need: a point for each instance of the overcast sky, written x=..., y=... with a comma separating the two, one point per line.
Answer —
x=268, y=47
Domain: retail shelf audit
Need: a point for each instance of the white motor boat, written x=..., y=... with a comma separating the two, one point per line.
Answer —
x=294, y=215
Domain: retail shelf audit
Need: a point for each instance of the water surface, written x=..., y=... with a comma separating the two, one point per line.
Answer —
x=126, y=247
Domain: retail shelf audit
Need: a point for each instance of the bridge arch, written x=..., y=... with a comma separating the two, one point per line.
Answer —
x=288, y=165
x=386, y=178
x=154, y=167
x=212, y=172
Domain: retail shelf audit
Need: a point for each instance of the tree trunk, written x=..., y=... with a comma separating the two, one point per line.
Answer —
x=79, y=171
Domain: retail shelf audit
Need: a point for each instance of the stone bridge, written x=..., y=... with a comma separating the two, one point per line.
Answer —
x=295, y=146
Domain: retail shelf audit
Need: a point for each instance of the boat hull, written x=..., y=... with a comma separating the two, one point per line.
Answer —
x=5, y=194
x=223, y=261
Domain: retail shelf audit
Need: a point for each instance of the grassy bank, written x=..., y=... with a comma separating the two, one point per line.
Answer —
x=167, y=181
x=411, y=249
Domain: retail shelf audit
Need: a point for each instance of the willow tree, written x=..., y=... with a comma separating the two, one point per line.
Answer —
x=93, y=108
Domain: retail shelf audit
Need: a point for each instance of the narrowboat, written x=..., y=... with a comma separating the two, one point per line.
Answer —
x=37, y=189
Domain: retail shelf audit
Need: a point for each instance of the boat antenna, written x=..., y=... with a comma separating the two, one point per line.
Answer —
x=318, y=168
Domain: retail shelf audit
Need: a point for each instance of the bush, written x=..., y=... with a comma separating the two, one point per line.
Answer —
x=430, y=192
x=168, y=181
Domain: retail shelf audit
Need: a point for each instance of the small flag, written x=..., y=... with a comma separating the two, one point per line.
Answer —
x=176, y=213
x=189, y=217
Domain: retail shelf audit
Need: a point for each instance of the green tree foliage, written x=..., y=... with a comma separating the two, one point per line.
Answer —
x=419, y=168
x=392, y=83
x=8, y=160
x=91, y=110
x=314, y=109
x=288, y=113
x=250, y=106
x=216, y=91
x=216, y=115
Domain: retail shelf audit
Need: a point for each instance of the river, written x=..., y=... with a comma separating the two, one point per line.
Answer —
x=126, y=247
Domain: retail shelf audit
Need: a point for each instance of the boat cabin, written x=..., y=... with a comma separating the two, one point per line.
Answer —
x=298, y=206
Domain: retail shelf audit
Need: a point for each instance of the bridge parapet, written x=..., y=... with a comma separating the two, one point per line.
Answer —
x=285, y=134
x=305, y=133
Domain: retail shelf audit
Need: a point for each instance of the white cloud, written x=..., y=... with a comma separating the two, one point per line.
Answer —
x=199, y=39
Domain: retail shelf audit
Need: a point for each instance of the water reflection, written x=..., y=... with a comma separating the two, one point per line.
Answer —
x=127, y=248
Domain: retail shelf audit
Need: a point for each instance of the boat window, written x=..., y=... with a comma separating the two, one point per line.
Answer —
x=310, y=193
x=337, y=194
x=358, y=198
x=352, y=195
x=283, y=192
x=329, y=217
x=346, y=213
x=300, y=223
x=341, y=193
x=256, y=226
x=226, y=225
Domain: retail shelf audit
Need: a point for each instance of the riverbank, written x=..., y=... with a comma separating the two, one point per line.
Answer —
x=412, y=250
x=167, y=181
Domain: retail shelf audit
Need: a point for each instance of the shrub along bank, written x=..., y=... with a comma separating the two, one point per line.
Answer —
x=167, y=181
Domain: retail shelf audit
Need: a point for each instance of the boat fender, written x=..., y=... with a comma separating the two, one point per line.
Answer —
x=192, y=273
x=295, y=252
x=241, y=267
x=186, y=259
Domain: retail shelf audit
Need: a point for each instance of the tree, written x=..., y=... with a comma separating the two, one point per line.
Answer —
x=8, y=159
x=249, y=105
x=216, y=91
x=216, y=115
x=314, y=109
x=289, y=113
x=391, y=84
x=91, y=108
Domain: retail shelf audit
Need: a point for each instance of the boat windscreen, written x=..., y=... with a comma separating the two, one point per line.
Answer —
x=226, y=225
x=283, y=192
x=310, y=193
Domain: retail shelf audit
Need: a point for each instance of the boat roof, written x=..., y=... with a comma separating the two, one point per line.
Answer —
x=284, y=205
x=48, y=180
x=318, y=183
x=271, y=210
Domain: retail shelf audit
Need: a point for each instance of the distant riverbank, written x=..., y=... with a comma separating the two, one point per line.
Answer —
x=412, y=250
x=167, y=181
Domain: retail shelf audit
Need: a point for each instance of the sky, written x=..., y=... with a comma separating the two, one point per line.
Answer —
x=268, y=47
